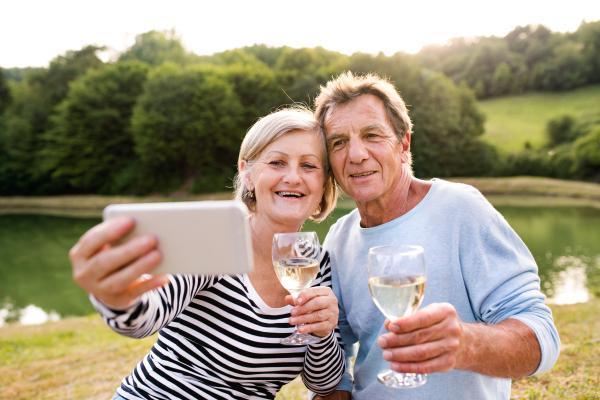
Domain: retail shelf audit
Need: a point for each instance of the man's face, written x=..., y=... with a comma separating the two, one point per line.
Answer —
x=364, y=151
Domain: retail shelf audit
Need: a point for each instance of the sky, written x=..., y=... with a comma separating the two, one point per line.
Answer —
x=33, y=32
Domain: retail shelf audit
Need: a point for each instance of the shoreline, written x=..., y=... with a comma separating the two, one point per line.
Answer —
x=514, y=191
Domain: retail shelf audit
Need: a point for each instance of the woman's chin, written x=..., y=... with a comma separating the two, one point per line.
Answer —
x=291, y=216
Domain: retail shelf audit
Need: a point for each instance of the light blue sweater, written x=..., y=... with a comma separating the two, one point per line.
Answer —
x=475, y=261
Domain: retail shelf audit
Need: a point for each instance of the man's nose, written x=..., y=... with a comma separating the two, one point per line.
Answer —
x=357, y=151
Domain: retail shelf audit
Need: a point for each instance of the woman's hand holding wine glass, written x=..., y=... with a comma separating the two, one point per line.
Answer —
x=316, y=309
x=296, y=261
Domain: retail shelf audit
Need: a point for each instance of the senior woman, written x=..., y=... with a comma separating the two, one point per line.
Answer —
x=219, y=335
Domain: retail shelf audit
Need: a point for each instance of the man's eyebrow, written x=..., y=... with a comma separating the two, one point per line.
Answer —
x=334, y=137
x=372, y=128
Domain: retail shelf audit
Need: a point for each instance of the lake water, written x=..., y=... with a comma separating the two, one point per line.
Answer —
x=36, y=284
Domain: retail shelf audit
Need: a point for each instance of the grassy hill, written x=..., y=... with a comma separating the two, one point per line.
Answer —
x=514, y=120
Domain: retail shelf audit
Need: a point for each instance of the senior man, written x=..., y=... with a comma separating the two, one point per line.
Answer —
x=483, y=320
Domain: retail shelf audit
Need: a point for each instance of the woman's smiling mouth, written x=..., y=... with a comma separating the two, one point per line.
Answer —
x=295, y=195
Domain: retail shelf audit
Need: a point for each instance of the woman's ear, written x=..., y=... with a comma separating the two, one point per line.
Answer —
x=245, y=171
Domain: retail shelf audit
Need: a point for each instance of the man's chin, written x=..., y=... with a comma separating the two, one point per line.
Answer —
x=363, y=196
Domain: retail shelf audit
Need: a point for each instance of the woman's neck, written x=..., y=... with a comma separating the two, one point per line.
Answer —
x=263, y=231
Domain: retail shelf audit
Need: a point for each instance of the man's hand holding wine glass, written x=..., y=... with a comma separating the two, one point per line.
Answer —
x=428, y=341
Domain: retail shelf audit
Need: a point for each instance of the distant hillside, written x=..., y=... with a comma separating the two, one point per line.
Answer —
x=514, y=120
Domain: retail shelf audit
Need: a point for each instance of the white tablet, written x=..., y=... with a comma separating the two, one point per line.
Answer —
x=195, y=237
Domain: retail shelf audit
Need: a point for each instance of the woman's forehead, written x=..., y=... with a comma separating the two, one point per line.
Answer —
x=297, y=143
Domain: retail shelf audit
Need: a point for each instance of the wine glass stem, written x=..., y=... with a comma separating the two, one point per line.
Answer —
x=295, y=297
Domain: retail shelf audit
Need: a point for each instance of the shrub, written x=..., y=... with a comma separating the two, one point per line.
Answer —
x=559, y=129
x=586, y=152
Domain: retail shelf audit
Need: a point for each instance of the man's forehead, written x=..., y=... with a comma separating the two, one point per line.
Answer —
x=364, y=110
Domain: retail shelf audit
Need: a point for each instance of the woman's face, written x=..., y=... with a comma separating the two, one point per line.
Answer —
x=288, y=178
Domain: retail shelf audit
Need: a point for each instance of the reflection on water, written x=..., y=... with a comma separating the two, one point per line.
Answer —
x=569, y=284
x=30, y=315
x=36, y=284
x=35, y=273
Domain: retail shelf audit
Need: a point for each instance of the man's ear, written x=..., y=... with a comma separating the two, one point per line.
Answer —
x=405, y=147
x=245, y=171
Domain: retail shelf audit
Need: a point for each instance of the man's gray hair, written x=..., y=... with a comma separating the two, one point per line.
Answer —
x=348, y=87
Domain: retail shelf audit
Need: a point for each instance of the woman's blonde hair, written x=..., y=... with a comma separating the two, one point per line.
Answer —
x=270, y=128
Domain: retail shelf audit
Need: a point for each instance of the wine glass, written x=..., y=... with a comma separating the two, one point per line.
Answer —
x=296, y=262
x=397, y=283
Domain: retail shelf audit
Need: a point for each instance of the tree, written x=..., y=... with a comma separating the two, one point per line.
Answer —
x=156, y=47
x=559, y=129
x=589, y=35
x=90, y=145
x=447, y=124
x=27, y=118
x=567, y=69
x=501, y=80
x=187, y=127
x=5, y=96
x=587, y=155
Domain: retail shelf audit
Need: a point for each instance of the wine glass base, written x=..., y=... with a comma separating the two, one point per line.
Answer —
x=400, y=380
x=300, y=339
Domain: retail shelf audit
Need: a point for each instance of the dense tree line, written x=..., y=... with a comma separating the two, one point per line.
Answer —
x=529, y=58
x=161, y=119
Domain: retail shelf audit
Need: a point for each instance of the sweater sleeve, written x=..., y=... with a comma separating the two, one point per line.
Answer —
x=502, y=281
x=154, y=309
x=324, y=362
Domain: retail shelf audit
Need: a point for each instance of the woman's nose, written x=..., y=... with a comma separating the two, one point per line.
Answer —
x=292, y=175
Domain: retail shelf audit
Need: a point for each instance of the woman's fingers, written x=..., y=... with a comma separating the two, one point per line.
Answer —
x=94, y=239
x=318, y=309
x=120, y=280
x=320, y=329
x=146, y=284
x=108, y=262
x=313, y=292
x=141, y=285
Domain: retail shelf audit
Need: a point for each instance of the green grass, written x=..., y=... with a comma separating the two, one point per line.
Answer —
x=75, y=358
x=81, y=358
x=514, y=120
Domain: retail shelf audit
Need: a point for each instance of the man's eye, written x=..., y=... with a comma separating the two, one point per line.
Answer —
x=337, y=143
x=371, y=135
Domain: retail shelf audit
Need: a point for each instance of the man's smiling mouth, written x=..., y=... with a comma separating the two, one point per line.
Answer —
x=361, y=175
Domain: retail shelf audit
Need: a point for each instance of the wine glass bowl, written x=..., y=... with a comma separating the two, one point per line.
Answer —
x=397, y=277
x=296, y=262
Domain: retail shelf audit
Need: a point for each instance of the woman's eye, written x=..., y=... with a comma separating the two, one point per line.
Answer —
x=275, y=163
x=309, y=166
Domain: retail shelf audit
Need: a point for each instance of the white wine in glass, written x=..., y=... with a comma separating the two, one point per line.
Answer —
x=296, y=262
x=397, y=276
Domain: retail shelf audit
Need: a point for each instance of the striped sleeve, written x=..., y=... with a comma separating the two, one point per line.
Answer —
x=154, y=309
x=324, y=362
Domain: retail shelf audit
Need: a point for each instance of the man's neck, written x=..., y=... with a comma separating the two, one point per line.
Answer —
x=407, y=193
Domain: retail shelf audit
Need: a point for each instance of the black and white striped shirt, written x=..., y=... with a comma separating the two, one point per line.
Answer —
x=219, y=340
